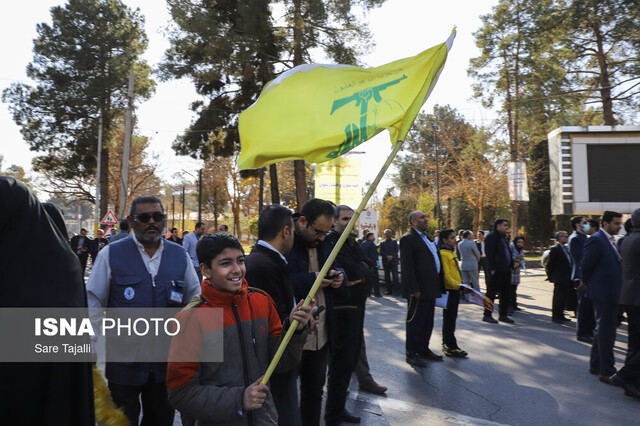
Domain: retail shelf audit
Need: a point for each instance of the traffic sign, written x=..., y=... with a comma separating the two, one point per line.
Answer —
x=108, y=230
x=109, y=219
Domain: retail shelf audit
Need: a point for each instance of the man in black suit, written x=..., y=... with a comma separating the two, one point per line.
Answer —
x=499, y=265
x=629, y=375
x=97, y=244
x=482, y=264
x=559, y=273
x=422, y=284
x=80, y=245
x=267, y=269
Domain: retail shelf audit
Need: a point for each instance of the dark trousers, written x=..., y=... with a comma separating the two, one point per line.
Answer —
x=391, y=268
x=373, y=281
x=362, y=370
x=313, y=373
x=499, y=283
x=419, y=324
x=586, y=319
x=285, y=397
x=482, y=266
x=345, y=350
x=83, y=257
x=631, y=370
x=156, y=409
x=604, y=337
x=560, y=294
x=449, y=316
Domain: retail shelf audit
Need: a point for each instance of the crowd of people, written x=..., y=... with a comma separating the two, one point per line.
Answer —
x=261, y=295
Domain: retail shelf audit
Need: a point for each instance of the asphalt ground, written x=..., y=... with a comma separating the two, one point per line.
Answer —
x=533, y=372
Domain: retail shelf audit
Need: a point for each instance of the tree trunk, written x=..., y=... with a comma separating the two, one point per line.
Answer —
x=603, y=79
x=301, y=183
x=104, y=182
x=275, y=191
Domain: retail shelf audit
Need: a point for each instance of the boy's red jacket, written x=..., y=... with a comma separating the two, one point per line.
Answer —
x=211, y=392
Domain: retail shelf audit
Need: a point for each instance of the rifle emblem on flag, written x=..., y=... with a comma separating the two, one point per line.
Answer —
x=354, y=135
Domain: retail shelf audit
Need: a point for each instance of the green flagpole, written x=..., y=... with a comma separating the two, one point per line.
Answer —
x=325, y=268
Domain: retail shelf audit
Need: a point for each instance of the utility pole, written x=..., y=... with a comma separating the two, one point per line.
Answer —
x=173, y=211
x=200, y=196
x=182, y=208
x=261, y=197
x=435, y=144
x=97, y=210
x=126, y=150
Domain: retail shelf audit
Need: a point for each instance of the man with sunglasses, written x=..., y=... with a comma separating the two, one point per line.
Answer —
x=143, y=271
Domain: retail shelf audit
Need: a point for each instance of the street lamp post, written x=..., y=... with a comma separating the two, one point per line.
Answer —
x=199, y=192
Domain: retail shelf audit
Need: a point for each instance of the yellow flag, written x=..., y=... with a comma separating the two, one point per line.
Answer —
x=319, y=112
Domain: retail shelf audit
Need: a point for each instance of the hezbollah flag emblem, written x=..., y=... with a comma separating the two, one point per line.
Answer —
x=319, y=112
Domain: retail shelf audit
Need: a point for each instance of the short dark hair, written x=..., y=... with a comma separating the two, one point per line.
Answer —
x=212, y=244
x=608, y=216
x=273, y=219
x=593, y=223
x=575, y=221
x=341, y=208
x=124, y=225
x=315, y=208
x=444, y=234
x=628, y=226
x=481, y=232
x=141, y=199
x=83, y=229
x=198, y=225
x=518, y=237
x=498, y=222
x=465, y=234
x=174, y=229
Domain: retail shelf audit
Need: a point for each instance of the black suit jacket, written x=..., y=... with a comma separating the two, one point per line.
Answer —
x=419, y=273
x=558, y=268
x=266, y=270
x=494, y=247
x=74, y=243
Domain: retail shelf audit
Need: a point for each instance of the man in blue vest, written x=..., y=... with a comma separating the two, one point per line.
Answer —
x=142, y=271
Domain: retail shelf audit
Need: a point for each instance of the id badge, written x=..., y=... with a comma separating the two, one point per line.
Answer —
x=176, y=292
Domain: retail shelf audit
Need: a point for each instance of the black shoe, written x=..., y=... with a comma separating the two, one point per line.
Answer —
x=430, y=356
x=489, y=319
x=378, y=295
x=565, y=319
x=388, y=293
x=557, y=321
x=416, y=361
x=347, y=417
x=629, y=389
x=585, y=339
x=506, y=319
x=373, y=387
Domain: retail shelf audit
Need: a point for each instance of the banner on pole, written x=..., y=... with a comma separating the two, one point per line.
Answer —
x=368, y=222
x=517, y=177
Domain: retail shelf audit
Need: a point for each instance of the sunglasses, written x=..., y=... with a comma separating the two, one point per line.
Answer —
x=146, y=217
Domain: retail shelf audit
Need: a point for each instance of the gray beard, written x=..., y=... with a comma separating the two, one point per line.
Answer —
x=147, y=240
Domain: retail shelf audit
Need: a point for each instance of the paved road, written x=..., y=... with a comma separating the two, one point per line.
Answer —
x=531, y=373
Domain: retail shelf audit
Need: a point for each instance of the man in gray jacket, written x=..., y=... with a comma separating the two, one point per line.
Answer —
x=629, y=376
x=470, y=258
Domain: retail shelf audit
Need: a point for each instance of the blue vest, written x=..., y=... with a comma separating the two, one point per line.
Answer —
x=132, y=286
